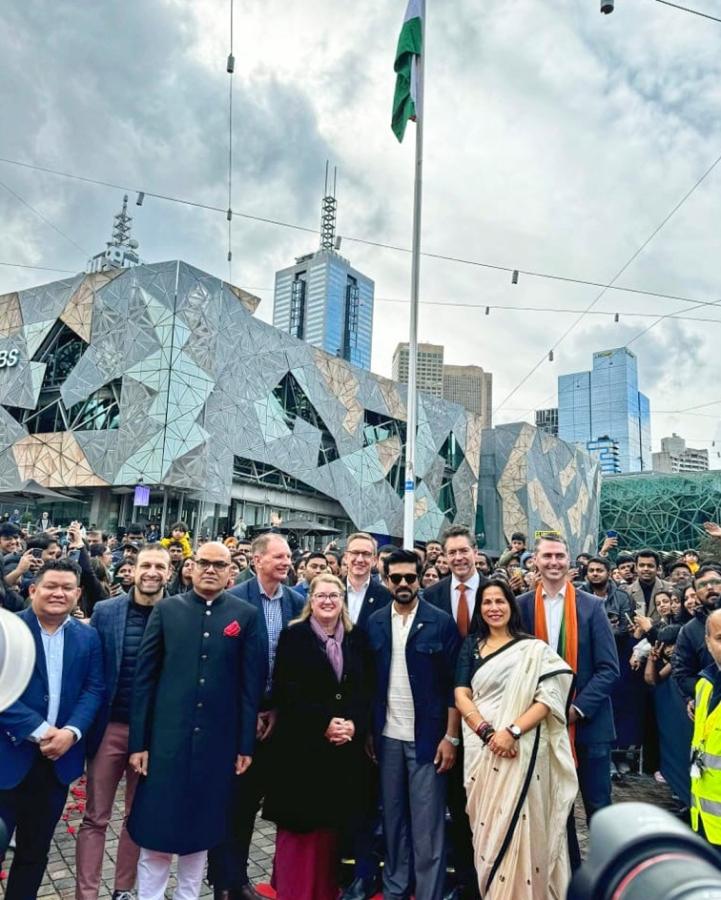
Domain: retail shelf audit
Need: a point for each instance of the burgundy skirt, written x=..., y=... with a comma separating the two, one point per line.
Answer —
x=306, y=865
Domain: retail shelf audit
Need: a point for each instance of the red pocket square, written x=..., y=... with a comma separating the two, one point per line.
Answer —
x=232, y=630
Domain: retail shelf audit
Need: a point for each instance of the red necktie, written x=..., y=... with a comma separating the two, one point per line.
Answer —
x=462, y=618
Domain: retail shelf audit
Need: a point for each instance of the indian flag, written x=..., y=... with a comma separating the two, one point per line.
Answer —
x=409, y=49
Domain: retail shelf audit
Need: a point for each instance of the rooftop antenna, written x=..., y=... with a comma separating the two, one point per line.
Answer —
x=121, y=250
x=328, y=208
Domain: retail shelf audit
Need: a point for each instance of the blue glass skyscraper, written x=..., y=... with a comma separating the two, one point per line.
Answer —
x=323, y=300
x=605, y=404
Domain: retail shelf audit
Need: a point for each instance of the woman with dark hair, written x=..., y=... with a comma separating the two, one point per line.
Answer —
x=513, y=692
x=183, y=581
x=430, y=576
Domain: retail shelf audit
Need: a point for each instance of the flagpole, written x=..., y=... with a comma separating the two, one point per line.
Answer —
x=409, y=496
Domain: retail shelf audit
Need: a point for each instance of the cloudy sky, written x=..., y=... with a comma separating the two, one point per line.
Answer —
x=557, y=141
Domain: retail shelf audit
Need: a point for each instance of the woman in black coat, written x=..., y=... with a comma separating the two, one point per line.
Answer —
x=322, y=689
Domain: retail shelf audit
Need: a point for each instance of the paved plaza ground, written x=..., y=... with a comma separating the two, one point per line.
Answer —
x=60, y=878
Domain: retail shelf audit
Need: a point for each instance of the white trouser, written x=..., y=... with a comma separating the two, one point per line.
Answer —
x=154, y=870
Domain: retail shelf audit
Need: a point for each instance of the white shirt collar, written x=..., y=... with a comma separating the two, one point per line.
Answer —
x=471, y=584
x=561, y=593
x=61, y=627
x=362, y=589
x=408, y=617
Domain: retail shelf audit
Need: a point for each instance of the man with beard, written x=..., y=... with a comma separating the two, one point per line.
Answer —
x=433, y=551
x=415, y=729
x=120, y=622
x=616, y=602
x=691, y=652
x=275, y=605
x=192, y=723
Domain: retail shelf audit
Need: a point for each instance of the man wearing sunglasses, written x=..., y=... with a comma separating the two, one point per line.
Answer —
x=192, y=723
x=415, y=729
x=691, y=654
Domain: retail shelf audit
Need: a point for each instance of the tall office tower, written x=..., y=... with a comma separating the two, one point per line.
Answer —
x=547, y=420
x=605, y=404
x=471, y=387
x=675, y=456
x=323, y=300
x=429, y=370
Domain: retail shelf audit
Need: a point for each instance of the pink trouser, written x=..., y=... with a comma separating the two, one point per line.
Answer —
x=105, y=770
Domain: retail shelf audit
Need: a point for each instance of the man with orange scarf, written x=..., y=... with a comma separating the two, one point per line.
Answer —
x=575, y=624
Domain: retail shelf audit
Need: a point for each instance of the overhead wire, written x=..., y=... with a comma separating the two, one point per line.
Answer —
x=230, y=68
x=694, y=12
x=530, y=273
x=624, y=267
x=43, y=217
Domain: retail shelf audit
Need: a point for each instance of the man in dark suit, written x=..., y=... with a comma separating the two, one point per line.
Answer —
x=120, y=623
x=596, y=674
x=456, y=595
x=415, y=729
x=192, y=722
x=365, y=595
x=275, y=604
x=42, y=735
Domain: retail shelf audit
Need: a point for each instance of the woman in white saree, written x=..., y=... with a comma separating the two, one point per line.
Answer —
x=513, y=692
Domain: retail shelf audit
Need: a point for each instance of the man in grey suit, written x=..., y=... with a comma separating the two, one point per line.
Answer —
x=120, y=622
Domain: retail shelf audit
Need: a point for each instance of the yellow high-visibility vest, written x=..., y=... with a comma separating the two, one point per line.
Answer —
x=706, y=764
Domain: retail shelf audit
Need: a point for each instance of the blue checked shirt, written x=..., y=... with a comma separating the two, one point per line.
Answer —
x=273, y=612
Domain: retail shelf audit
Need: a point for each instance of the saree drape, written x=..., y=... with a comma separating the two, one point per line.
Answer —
x=518, y=808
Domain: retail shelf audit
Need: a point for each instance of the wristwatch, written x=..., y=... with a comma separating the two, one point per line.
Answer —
x=452, y=740
x=514, y=731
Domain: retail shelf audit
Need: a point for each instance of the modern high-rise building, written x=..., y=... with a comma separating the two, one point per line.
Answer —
x=429, y=368
x=324, y=301
x=675, y=456
x=547, y=420
x=606, y=405
x=470, y=387
x=606, y=452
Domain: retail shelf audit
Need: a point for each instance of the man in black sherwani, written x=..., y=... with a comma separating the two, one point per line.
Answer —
x=192, y=723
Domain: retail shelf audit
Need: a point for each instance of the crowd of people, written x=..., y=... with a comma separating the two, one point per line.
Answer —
x=430, y=714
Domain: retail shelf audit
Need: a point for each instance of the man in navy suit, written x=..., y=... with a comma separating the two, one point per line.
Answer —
x=120, y=623
x=277, y=605
x=415, y=729
x=42, y=735
x=597, y=672
x=364, y=596
x=456, y=595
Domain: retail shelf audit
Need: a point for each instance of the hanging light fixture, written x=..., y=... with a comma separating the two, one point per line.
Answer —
x=141, y=197
x=550, y=355
x=514, y=277
x=488, y=310
x=616, y=317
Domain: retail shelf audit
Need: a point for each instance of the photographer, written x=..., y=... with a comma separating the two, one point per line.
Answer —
x=20, y=569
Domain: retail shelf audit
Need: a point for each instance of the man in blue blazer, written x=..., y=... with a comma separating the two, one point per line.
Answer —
x=277, y=605
x=596, y=674
x=415, y=729
x=120, y=623
x=42, y=735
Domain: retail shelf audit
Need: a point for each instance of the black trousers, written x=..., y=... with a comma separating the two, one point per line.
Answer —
x=32, y=809
x=460, y=828
x=228, y=862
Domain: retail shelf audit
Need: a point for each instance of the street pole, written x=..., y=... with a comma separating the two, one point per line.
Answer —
x=409, y=495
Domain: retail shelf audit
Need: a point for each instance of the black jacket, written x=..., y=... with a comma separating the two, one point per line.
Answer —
x=690, y=655
x=617, y=604
x=317, y=784
x=376, y=597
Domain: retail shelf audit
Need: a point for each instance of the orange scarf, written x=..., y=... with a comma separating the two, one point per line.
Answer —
x=568, y=638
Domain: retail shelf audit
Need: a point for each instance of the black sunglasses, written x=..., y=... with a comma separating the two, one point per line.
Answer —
x=397, y=578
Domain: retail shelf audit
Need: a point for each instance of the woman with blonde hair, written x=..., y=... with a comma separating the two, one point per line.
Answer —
x=322, y=693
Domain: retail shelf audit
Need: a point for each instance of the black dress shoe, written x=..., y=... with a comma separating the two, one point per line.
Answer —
x=360, y=889
x=247, y=892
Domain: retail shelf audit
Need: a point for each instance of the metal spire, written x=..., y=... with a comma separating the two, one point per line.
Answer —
x=329, y=206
